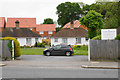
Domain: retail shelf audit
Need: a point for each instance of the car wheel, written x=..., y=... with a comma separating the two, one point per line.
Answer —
x=48, y=53
x=68, y=54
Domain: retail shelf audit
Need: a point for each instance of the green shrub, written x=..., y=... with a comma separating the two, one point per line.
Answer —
x=97, y=37
x=40, y=44
x=78, y=46
x=10, y=46
x=74, y=46
x=118, y=37
x=16, y=46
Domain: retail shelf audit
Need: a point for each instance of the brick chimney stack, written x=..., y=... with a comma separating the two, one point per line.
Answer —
x=17, y=24
x=72, y=25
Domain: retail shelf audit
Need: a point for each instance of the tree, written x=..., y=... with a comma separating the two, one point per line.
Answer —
x=58, y=28
x=109, y=10
x=93, y=21
x=48, y=21
x=68, y=12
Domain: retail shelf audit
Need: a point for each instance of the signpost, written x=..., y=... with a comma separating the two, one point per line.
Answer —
x=108, y=34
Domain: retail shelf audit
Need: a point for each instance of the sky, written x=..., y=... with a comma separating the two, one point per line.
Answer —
x=39, y=9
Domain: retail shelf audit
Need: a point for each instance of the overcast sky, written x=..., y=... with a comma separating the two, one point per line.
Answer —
x=39, y=9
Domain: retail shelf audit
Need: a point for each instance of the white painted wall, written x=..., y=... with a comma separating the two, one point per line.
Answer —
x=22, y=40
x=70, y=41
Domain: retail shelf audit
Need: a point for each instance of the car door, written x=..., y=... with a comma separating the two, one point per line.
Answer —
x=57, y=50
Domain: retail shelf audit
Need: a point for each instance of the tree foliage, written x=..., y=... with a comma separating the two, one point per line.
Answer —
x=109, y=10
x=48, y=21
x=58, y=28
x=93, y=21
x=67, y=12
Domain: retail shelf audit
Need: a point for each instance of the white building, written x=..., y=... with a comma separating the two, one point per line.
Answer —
x=70, y=36
x=25, y=36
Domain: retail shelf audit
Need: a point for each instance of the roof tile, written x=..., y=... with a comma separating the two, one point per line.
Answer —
x=45, y=27
x=2, y=21
x=67, y=32
x=76, y=25
x=23, y=22
x=21, y=32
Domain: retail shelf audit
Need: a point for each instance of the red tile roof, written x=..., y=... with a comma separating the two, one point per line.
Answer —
x=23, y=22
x=45, y=27
x=76, y=25
x=2, y=21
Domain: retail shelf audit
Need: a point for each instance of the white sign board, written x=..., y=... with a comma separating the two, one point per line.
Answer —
x=108, y=34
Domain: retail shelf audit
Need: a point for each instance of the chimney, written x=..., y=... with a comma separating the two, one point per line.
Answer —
x=72, y=25
x=17, y=24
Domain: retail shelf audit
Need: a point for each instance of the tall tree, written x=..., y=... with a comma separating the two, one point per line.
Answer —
x=48, y=21
x=93, y=21
x=109, y=10
x=68, y=12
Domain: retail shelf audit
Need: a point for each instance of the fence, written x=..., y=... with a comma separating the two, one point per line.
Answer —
x=5, y=54
x=104, y=49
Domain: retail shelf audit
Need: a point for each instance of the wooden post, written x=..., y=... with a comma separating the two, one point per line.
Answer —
x=13, y=50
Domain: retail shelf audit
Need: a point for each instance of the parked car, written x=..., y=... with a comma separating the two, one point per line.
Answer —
x=59, y=50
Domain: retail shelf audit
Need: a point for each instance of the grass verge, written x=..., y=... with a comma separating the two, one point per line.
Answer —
x=83, y=50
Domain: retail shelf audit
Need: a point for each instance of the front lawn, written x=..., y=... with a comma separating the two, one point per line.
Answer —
x=83, y=50
x=32, y=51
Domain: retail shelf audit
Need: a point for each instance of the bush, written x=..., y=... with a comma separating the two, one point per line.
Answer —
x=97, y=37
x=16, y=46
x=118, y=37
x=40, y=44
x=10, y=46
x=76, y=46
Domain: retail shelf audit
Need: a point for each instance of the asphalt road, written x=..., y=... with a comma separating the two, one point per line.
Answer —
x=54, y=67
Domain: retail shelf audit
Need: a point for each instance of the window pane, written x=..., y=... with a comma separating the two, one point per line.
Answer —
x=64, y=40
x=50, y=32
x=36, y=39
x=56, y=40
x=30, y=28
x=41, y=32
x=78, y=40
x=28, y=41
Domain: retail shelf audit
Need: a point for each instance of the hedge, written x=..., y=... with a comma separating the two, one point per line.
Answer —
x=118, y=37
x=10, y=46
x=97, y=37
x=16, y=45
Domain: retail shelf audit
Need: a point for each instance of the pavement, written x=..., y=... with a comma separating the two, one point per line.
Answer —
x=39, y=66
x=60, y=62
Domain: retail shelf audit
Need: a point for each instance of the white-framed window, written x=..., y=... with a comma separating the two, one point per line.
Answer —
x=41, y=32
x=36, y=39
x=30, y=28
x=28, y=40
x=55, y=39
x=50, y=32
x=78, y=40
x=64, y=40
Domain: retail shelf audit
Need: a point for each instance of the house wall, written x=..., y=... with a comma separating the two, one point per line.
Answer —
x=22, y=41
x=70, y=41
